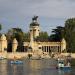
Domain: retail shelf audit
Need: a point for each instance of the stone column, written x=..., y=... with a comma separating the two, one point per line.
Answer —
x=43, y=48
x=14, y=45
x=3, y=43
x=63, y=45
x=31, y=44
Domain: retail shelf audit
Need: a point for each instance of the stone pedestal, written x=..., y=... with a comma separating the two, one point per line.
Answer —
x=3, y=43
x=14, y=45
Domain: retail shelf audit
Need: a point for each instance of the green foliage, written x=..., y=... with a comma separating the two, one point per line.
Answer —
x=73, y=62
x=15, y=33
x=58, y=34
x=18, y=34
x=43, y=36
x=26, y=37
x=70, y=34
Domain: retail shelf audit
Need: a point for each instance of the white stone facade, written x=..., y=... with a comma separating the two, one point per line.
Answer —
x=14, y=45
x=43, y=46
x=3, y=43
x=36, y=47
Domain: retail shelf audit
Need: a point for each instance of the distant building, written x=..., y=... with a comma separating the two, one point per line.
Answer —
x=33, y=45
x=45, y=47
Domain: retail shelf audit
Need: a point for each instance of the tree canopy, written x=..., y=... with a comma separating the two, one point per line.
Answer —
x=15, y=33
x=43, y=36
x=57, y=34
x=70, y=34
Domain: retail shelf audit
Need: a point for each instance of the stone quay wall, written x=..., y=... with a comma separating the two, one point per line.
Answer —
x=19, y=55
x=69, y=54
x=13, y=55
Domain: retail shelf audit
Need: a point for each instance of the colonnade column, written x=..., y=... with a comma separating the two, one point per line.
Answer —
x=51, y=48
x=14, y=45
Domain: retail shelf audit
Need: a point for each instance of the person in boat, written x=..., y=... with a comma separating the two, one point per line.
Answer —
x=60, y=64
x=68, y=64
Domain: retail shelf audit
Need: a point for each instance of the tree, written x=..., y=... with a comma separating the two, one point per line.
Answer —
x=43, y=36
x=58, y=34
x=9, y=36
x=18, y=34
x=26, y=37
x=70, y=34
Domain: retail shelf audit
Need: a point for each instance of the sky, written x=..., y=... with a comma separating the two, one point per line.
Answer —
x=19, y=13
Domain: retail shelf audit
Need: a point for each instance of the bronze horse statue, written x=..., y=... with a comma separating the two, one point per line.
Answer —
x=35, y=18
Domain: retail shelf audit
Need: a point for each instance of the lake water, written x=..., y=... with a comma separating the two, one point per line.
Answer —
x=32, y=67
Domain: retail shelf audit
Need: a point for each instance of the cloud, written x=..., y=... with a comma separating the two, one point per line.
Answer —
x=46, y=8
x=20, y=11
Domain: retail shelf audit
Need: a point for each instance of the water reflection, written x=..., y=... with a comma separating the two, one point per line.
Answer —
x=35, y=64
x=41, y=67
x=32, y=67
x=67, y=72
x=3, y=67
x=15, y=69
